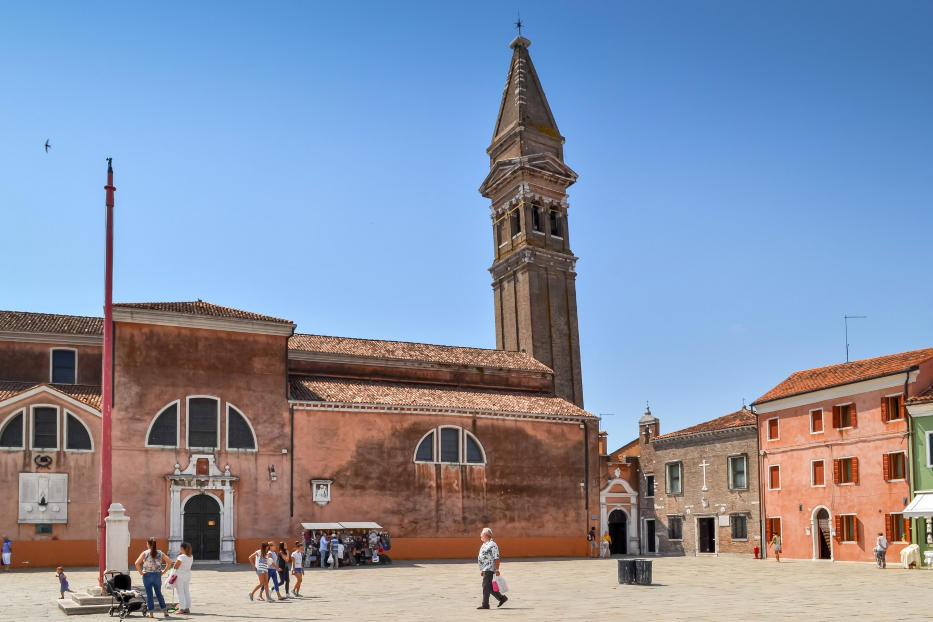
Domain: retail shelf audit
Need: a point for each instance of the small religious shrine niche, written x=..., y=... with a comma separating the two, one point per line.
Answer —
x=320, y=491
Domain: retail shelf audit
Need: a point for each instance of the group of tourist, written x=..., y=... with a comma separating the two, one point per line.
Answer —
x=346, y=549
x=273, y=565
x=152, y=564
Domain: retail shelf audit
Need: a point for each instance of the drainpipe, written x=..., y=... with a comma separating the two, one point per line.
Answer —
x=291, y=461
x=762, y=511
x=586, y=474
x=910, y=447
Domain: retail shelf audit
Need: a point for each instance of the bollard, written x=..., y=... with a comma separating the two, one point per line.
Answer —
x=643, y=571
x=627, y=571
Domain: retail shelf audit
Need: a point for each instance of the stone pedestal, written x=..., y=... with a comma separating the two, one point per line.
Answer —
x=118, y=538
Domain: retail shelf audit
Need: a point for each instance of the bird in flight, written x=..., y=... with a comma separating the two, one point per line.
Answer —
x=48, y=145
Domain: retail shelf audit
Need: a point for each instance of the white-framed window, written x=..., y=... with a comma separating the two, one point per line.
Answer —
x=774, y=477
x=845, y=471
x=449, y=444
x=202, y=422
x=816, y=421
x=892, y=408
x=674, y=472
x=773, y=428
x=77, y=435
x=844, y=416
x=818, y=473
x=43, y=427
x=164, y=428
x=930, y=449
x=738, y=472
x=63, y=365
x=649, y=485
x=240, y=433
x=13, y=432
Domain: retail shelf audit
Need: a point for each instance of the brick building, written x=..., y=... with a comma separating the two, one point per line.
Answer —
x=704, y=481
x=834, y=456
x=229, y=427
x=618, y=496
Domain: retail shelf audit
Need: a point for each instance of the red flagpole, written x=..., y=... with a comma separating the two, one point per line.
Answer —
x=106, y=451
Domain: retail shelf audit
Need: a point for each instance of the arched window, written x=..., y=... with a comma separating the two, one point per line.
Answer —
x=450, y=445
x=163, y=431
x=11, y=432
x=77, y=436
x=239, y=432
x=203, y=422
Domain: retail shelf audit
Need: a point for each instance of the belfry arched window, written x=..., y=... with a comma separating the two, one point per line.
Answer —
x=449, y=444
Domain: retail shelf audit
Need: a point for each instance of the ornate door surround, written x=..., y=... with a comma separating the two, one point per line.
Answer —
x=202, y=475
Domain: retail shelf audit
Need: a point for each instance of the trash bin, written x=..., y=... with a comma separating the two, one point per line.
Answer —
x=627, y=571
x=643, y=571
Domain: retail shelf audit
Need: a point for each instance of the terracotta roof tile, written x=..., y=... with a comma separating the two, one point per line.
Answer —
x=199, y=307
x=321, y=389
x=845, y=373
x=406, y=350
x=51, y=323
x=86, y=394
x=924, y=396
x=738, y=419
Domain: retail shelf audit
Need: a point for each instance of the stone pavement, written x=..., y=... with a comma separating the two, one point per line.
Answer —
x=700, y=589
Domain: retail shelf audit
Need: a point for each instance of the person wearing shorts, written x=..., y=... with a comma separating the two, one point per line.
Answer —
x=297, y=568
x=6, y=553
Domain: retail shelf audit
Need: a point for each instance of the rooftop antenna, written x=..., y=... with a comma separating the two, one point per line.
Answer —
x=518, y=23
x=847, y=318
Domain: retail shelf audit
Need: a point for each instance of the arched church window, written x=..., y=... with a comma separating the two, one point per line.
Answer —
x=11, y=432
x=555, y=224
x=535, y=218
x=239, y=433
x=77, y=436
x=203, y=422
x=163, y=431
x=455, y=446
x=515, y=218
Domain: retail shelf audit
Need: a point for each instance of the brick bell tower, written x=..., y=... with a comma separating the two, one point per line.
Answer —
x=533, y=276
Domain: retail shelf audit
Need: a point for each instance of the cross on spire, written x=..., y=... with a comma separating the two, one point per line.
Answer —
x=518, y=23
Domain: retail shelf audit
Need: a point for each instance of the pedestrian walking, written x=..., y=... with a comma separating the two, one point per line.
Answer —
x=606, y=544
x=274, y=570
x=881, y=549
x=62, y=581
x=297, y=567
x=323, y=548
x=334, y=552
x=6, y=554
x=776, y=545
x=594, y=542
x=183, y=577
x=488, y=559
x=284, y=561
x=260, y=561
x=152, y=564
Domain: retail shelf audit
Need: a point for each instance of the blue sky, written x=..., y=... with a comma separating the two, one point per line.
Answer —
x=749, y=172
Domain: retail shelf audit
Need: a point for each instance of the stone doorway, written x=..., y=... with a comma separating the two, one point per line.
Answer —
x=706, y=531
x=202, y=527
x=650, y=544
x=822, y=545
x=618, y=531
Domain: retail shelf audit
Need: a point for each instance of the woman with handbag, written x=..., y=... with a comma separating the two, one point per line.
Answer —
x=182, y=578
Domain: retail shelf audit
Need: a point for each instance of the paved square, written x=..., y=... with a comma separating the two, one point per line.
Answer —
x=698, y=589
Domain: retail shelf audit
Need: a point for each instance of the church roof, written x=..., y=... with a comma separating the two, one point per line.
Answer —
x=411, y=351
x=90, y=395
x=376, y=392
x=846, y=373
x=523, y=101
x=50, y=323
x=199, y=307
x=738, y=419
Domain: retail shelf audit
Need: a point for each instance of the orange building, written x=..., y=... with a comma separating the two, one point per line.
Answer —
x=833, y=450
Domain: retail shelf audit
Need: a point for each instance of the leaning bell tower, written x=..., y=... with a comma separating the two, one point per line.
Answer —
x=533, y=278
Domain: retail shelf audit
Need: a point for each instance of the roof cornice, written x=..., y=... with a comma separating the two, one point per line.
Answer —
x=883, y=381
x=52, y=338
x=433, y=410
x=734, y=430
x=186, y=320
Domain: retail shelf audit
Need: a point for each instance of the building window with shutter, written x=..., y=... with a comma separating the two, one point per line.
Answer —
x=675, y=527
x=897, y=528
x=738, y=472
x=892, y=408
x=64, y=365
x=739, y=523
x=816, y=421
x=450, y=445
x=844, y=416
x=649, y=485
x=895, y=466
x=774, y=431
x=240, y=434
x=203, y=423
x=849, y=528
x=817, y=473
x=845, y=471
x=44, y=428
x=772, y=527
x=774, y=477
x=674, y=472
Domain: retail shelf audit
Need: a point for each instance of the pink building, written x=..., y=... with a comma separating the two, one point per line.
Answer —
x=833, y=450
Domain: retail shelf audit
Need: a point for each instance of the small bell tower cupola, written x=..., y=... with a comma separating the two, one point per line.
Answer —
x=533, y=270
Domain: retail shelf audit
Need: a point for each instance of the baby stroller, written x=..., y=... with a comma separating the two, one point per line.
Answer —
x=123, y=598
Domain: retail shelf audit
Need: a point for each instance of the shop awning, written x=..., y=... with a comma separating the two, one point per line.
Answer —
x=921, y=506
x=322, y=526
x=361, y=525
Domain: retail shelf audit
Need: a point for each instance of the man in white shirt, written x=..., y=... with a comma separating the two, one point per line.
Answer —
x=323, y=549
x=488, y=559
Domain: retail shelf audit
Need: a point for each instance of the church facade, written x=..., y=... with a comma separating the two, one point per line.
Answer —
x=230, y=427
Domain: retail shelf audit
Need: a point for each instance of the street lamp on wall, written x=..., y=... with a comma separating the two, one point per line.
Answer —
x=272, y=473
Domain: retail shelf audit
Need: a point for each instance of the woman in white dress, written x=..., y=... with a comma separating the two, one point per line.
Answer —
x=183, y=580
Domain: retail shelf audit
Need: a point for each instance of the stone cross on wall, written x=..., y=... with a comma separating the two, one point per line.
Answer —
x=703, y=465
